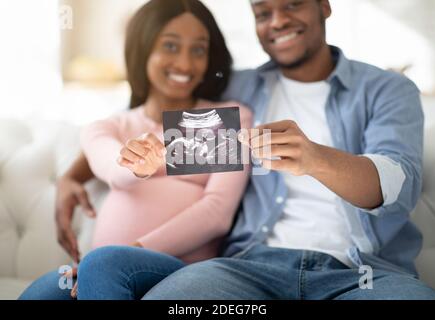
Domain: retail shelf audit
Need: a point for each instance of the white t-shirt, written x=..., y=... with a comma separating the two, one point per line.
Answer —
x=313, y=218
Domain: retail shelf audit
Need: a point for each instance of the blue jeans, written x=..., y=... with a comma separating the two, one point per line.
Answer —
x=262, y=273
x=113, y=272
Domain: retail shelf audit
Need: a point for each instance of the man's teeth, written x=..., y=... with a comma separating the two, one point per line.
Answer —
x=285, y=38
x=179, y=78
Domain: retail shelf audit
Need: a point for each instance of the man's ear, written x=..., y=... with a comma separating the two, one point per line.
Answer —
x=326, y=8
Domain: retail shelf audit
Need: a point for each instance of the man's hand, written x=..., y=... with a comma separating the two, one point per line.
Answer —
x=137, y=244
x=143, y=155
x=69, y=194
x=73, y=274
x=283, y=146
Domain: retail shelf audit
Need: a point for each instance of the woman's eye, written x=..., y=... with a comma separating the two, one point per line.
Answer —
x=170, y=46
x=199, y=51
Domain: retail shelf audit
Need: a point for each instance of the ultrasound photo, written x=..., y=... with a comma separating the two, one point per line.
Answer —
x=202, y=141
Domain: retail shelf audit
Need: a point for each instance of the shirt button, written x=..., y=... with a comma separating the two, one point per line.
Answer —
x=279, y=200
x=264, y=229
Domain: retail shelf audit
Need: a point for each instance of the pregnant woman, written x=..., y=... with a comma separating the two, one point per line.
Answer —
x=152, y=224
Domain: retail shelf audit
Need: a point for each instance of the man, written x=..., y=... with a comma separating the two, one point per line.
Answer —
x=344, y=142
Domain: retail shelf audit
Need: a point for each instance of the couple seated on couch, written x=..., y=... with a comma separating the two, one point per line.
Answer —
x=342, y=141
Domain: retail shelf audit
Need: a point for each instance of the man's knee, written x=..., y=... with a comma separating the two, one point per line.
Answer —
x=192, y=282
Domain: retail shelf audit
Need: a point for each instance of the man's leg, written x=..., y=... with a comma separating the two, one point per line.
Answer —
x=122, y=272
x=325, y=278
x=391, y=286
x=262, y=273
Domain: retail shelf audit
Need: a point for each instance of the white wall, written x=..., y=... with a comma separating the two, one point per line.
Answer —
x=387, y=33
x=29, y=56
x=99, y=29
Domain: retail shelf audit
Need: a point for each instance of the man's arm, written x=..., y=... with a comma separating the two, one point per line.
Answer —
x=70, y=192
x=79, y=170
x=353, y=178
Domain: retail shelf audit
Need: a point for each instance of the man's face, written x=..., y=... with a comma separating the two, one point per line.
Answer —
x=291, y=31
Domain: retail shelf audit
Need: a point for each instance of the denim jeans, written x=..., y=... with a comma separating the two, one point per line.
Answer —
x=262, y=273
x=113, y=272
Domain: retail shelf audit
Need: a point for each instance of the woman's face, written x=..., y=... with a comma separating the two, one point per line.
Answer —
x=179, y=59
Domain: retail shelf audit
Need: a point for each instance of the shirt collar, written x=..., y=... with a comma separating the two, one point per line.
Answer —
x=342, y=72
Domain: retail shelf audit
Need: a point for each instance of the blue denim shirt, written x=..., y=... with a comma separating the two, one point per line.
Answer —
x=370, y=112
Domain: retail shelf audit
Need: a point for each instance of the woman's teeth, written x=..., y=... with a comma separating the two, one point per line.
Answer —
x=285, y=38
x=179, y=78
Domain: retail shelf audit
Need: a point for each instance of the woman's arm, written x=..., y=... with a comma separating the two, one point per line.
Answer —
x=102, y=143
x=207, y=219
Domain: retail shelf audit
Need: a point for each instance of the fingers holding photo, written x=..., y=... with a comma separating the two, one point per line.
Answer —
x=150, y=140
x=143, y=155
x=281, y=146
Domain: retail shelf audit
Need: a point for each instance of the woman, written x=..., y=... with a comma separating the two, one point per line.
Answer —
x=176, y=59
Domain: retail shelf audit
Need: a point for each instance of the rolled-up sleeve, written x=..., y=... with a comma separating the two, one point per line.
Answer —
x=394, y=143
x=391, y=177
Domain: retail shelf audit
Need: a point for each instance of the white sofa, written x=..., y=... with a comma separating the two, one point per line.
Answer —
x=34, y=153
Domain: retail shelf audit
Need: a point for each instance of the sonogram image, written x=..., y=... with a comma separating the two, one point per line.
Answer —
x=202, y=141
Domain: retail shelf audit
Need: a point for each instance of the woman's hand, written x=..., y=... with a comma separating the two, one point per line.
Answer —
x=69, y=194
x=143, y=155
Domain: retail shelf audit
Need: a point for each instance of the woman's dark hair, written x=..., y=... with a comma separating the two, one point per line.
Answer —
x=142, y=33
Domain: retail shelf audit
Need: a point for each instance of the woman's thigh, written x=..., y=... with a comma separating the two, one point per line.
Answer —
x=47, y=287
x=122, y=272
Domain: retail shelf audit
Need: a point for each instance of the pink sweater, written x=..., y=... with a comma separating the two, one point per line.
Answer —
x=184, y=216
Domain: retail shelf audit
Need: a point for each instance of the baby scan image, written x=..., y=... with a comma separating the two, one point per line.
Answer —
x=202, y=141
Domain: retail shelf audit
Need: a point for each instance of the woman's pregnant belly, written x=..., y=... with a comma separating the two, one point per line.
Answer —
x=130, y=214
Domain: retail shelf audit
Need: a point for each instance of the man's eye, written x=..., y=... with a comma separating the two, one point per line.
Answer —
x=293, y=5
x=262, y=15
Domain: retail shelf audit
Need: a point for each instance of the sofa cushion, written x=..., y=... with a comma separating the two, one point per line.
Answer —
x=35, y=155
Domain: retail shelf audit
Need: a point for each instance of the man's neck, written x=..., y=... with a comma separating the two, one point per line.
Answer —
x=317, y=68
